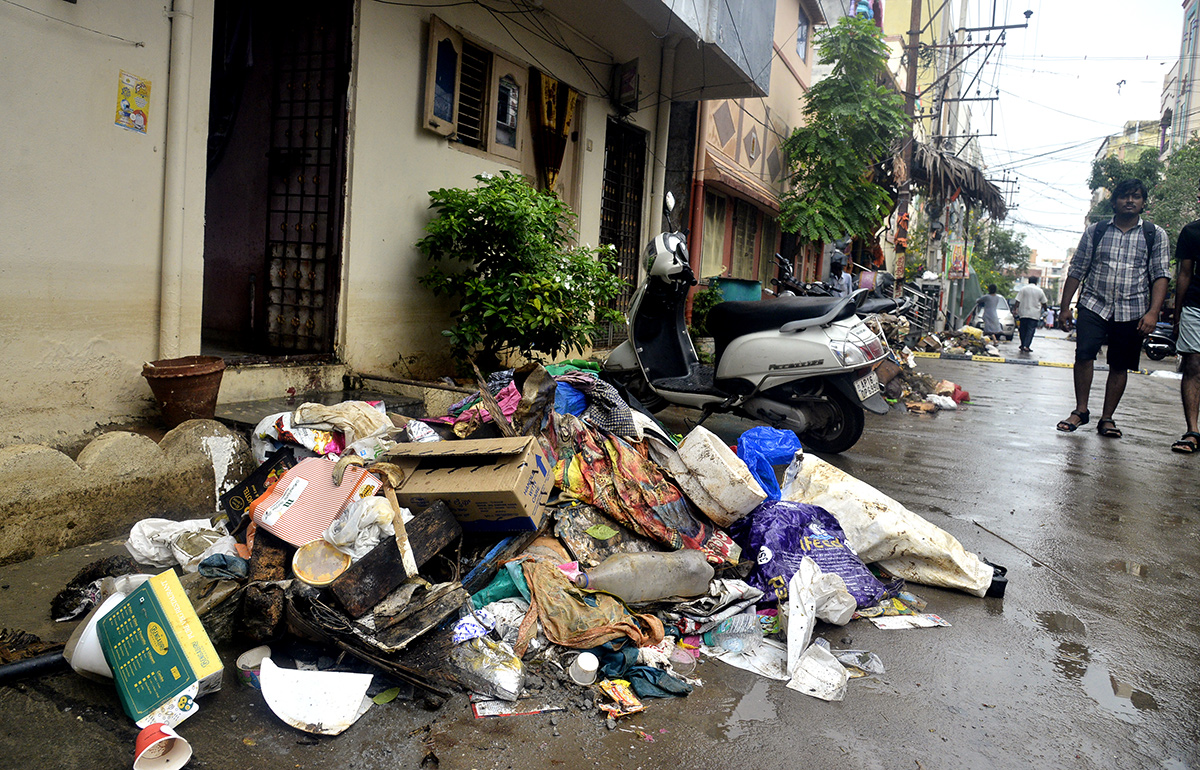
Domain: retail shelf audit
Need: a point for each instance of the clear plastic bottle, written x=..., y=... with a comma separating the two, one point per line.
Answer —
x=644, y=577
x=740, y=633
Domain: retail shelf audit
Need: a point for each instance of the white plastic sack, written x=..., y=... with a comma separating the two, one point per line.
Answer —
x=165, y=543
x=715, y=479
x=354, y=419
x=883, y=531
x=264, y=440
x=942, y=402
x=361, y=525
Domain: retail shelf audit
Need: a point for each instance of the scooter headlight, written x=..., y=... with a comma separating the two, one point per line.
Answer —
x=860, y=347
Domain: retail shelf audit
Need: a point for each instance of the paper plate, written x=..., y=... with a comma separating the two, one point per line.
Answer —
x=322, y=702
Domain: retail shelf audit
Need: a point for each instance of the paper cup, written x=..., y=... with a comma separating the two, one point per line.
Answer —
x=158, y=747
x=249, y=663
x=583, y=668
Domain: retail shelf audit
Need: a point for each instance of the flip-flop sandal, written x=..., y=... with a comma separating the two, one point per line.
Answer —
x=1108, y=432
x=1066, y=426
x=1187, y=444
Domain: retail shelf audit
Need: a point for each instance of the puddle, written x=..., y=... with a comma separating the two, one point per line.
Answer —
x=753, y=707
x=1130, y=568
x=1115, y=696
x=1061, y=623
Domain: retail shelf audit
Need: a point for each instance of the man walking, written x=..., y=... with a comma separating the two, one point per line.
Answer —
x=1122, y=266
x=1187, y=332
x=841, y=285
x=990, y=303
x=1031, y=301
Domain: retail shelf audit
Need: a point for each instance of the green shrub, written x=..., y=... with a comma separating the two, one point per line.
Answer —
x=704, y=301
x=504, y=250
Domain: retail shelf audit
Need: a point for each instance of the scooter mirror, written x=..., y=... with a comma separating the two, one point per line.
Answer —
x=670, y=202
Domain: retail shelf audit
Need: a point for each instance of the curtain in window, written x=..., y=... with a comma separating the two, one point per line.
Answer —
x=554, y=111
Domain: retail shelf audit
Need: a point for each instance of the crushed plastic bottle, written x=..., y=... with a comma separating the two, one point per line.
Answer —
x=740, y=633
x=645, y=577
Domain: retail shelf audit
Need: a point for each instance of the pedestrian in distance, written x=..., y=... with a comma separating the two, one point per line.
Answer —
x=1121, y=269
x=990, y=303
x=1031, y=303
x=1049, y=318
x=1187, y=332
x=841, y=284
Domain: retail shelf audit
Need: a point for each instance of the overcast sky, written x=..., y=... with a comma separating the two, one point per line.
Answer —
x=1059, y=98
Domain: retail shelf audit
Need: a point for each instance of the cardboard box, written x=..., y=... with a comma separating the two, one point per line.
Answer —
x=496, y=485
x=159, y=653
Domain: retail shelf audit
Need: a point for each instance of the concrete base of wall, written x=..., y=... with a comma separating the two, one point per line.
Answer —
x=49, y=502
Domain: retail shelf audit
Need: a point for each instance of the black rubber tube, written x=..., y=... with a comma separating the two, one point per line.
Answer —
x=41, y=664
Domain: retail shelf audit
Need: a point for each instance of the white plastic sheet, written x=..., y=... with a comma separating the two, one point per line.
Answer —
x=883, y=531
x=165, y=543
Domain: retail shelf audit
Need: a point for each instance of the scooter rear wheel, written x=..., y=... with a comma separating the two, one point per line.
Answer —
x=841, y=427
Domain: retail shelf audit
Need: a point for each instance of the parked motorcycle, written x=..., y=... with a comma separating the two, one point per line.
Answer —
x=799, y=363
x=878, y=300
x=1160, y=343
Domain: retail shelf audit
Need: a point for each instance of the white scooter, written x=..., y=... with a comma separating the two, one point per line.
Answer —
x=799, y=363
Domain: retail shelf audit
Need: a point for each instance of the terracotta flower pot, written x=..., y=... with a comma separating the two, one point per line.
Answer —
x=185, y=388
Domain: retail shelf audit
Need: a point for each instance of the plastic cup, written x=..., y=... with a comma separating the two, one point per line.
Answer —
x=583, y=668
x=158, y=747
x=249, y=663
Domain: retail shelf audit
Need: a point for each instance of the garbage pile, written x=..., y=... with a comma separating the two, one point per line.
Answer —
x=901, y=383
x=968, y=340
x=541, y=546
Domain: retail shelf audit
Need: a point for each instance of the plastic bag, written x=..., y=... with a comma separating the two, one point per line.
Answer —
x=489, y=668
x=762, y=448
x=884, y=531
x=165, y=543
x=780, y=533
x=361, y=526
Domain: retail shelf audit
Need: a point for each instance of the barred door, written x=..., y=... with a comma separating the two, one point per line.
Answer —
x=306, y=172
x=621, y=212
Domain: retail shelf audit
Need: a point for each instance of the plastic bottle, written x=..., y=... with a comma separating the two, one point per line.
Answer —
x=644, y=577
x=740, y=633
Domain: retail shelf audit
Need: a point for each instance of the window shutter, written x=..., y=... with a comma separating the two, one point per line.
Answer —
x=443, y=67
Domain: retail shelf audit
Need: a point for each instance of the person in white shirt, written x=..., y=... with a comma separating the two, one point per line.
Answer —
x=1031, y=301
x=841, y=284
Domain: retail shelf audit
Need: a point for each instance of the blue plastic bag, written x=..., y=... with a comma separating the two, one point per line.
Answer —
x=779, y=533
x=762, y=448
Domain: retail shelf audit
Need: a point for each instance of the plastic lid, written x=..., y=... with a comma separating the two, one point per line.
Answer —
x=318, y=563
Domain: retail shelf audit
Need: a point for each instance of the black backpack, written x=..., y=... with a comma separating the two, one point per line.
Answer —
x=1149, y=231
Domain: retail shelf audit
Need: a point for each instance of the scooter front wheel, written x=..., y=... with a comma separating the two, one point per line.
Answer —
x=837, y=424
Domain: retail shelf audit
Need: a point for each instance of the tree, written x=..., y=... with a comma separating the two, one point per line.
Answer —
x=851, y=123
x=1109, y=170
x=997, y=252
x=1173, y=203
x=523, y=289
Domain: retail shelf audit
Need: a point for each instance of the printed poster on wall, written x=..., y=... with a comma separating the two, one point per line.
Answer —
x=133, y=102
x=958, y=260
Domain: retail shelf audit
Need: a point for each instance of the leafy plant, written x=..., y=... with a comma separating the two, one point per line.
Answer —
x=1173, y=201
x=503, y=249
x=999, y=256
x=704, y=301
x=851, y=123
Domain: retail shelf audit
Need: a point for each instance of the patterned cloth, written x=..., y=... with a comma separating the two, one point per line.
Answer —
x=604, y=470
x=1115, y=282
x=605, y=407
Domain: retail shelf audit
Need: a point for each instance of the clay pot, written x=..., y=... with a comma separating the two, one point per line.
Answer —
x=185, y=388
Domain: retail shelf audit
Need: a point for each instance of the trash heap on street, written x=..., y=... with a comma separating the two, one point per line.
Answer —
x=967, y=341
x=542, y=546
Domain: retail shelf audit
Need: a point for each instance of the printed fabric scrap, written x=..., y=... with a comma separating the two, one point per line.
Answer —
x=604, y=470
x=573, y=617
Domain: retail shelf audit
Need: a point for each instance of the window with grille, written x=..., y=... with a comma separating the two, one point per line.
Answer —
x=742, y=248
x=473, y=94
x=768, y=245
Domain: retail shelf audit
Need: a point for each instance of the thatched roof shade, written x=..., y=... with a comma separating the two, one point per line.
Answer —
x=942, y=174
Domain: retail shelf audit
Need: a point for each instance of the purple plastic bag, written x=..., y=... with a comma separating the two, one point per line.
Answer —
x=779, y=533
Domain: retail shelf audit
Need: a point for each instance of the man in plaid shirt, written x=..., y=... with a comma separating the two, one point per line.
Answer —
x=1124, y=282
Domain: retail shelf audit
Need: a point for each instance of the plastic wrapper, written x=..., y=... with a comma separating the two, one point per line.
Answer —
x=165, y=543
x=779, y=534
x=489, y=667
x=361, y=526
x=762, y=448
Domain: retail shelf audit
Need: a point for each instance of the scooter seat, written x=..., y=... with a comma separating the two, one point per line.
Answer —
x=878, y=305
x=730, y=320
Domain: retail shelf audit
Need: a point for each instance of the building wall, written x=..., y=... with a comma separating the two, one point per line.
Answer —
x=81, y=235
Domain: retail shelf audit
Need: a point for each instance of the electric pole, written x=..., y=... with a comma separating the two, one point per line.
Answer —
x=906, y=152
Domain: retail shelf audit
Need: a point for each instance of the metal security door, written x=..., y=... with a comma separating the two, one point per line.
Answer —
x=621, y=211
x=306, y=171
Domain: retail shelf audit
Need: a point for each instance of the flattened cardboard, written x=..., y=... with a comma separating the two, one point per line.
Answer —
x=496, y=485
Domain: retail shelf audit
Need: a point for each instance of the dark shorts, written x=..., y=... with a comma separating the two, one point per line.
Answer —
x=1123, y=338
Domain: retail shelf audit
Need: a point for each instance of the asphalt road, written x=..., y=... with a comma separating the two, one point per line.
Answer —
x=1087, y=662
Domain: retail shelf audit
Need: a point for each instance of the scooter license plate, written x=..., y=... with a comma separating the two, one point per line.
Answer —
x=866, y=386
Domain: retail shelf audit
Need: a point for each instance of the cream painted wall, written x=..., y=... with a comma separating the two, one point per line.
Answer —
x=390, y=324
x=80, y=239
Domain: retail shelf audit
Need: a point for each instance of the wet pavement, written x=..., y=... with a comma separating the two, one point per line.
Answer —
x=1088, y=661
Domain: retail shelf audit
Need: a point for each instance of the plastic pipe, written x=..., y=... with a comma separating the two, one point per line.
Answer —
x=170, y=300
